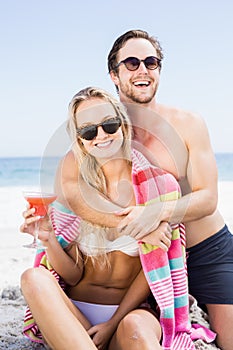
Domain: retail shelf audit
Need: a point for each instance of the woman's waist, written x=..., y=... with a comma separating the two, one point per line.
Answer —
x=97, y=293
x=111, y=281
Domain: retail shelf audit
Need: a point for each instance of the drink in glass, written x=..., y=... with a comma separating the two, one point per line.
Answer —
x=40, y=201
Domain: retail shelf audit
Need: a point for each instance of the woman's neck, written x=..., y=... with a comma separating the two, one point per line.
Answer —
x=119, y=182
x=116, y=170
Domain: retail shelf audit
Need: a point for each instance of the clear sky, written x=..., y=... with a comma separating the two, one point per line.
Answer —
x=50, y=49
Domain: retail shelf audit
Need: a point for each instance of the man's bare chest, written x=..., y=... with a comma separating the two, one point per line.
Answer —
x=169, y=156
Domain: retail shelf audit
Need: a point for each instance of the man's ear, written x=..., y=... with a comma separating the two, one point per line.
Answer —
x=114, y=77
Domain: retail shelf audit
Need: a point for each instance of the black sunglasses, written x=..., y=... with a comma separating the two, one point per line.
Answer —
x=132, y=63
x=89, y=132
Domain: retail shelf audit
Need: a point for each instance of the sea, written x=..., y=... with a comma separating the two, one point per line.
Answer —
x=28, y=171
x=38, y=172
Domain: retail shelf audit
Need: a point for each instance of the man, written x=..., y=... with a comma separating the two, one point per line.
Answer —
x=178, y=142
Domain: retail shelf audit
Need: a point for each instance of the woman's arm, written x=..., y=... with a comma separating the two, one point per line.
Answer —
x=136, y=295
x=66, y=263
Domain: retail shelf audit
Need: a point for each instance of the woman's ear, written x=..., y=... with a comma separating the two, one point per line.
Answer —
x=80, y=142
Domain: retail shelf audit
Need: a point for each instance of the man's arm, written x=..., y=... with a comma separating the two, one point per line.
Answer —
x=81, y=198
x=88, y=203
x=201, y=174
x=202, y=179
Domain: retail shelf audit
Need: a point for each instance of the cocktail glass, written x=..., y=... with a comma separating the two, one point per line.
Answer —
x=40, y=201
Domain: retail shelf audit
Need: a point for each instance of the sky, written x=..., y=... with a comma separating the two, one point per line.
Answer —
x=50, y=49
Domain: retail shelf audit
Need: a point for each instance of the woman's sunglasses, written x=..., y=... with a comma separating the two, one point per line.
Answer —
x=89, y=132
x=133, y=63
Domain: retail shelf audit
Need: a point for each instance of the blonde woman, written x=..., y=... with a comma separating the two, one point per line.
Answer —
x=103, y=303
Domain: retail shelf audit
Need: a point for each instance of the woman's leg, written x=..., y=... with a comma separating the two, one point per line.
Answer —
x=60, y=322
x=139, y=330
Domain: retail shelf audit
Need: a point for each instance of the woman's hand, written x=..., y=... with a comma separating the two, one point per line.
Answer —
x=160, y=237
x=28, y=226
x=101, y=334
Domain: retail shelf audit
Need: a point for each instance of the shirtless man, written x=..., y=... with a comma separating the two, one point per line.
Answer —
x=179, y=143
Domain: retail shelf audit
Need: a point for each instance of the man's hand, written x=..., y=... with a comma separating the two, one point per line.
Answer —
x=140, y=220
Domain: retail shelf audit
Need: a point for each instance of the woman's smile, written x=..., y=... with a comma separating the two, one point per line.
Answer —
x=104, y=144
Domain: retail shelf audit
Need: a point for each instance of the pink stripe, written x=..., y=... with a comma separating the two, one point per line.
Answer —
x=182, y=341
x=180, y=316
x=157, y=255
x=175, y=249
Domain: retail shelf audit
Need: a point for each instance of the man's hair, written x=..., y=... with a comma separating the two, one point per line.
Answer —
x=120, y=42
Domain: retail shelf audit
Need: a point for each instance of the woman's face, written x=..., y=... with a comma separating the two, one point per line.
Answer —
x=104, y=144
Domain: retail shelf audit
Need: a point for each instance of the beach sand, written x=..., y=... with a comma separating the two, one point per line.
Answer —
x=14, y=259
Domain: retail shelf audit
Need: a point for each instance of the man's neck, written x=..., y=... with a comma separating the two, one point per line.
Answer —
x=127, y=101
x=145, y=119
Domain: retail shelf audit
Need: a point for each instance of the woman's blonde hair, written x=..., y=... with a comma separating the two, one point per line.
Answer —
x=89, y=168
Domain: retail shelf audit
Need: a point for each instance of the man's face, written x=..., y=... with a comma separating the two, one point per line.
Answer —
x=138, y=86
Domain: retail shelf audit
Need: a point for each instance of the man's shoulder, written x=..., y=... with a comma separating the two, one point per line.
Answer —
x=67, y=165
x=172, y=111
x=68, y=159
x=177, y=115
x=69, y=156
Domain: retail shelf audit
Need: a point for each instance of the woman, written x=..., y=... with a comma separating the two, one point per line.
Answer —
x=104, y=303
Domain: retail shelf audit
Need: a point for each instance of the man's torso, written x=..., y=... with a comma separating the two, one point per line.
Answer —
x=163, y=142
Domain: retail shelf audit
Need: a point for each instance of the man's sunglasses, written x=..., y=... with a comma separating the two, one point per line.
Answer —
x=89, y=132
x=133, y=63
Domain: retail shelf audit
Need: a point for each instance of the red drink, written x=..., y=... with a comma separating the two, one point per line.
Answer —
x=39, y=201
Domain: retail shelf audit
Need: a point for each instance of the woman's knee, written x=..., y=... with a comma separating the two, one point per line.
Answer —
x=138, y=324
x=131, y=322
x=32, y=279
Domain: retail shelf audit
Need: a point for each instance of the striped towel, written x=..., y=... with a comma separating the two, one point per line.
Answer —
x=166, y=271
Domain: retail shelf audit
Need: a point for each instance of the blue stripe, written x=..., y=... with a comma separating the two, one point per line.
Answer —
x=61, y=207
x=168, y=312
x=181, y=301
x=160, y=273
x=62, y=241
x=177, y=263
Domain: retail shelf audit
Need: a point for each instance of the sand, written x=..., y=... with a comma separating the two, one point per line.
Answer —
x=14, y=259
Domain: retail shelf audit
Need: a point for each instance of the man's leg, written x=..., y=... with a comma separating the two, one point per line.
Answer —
x=60, y=322
x=210, y=273
x=221, y=321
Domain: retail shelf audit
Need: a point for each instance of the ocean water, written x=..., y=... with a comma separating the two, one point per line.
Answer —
x=28, y=171
x=32, y=171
